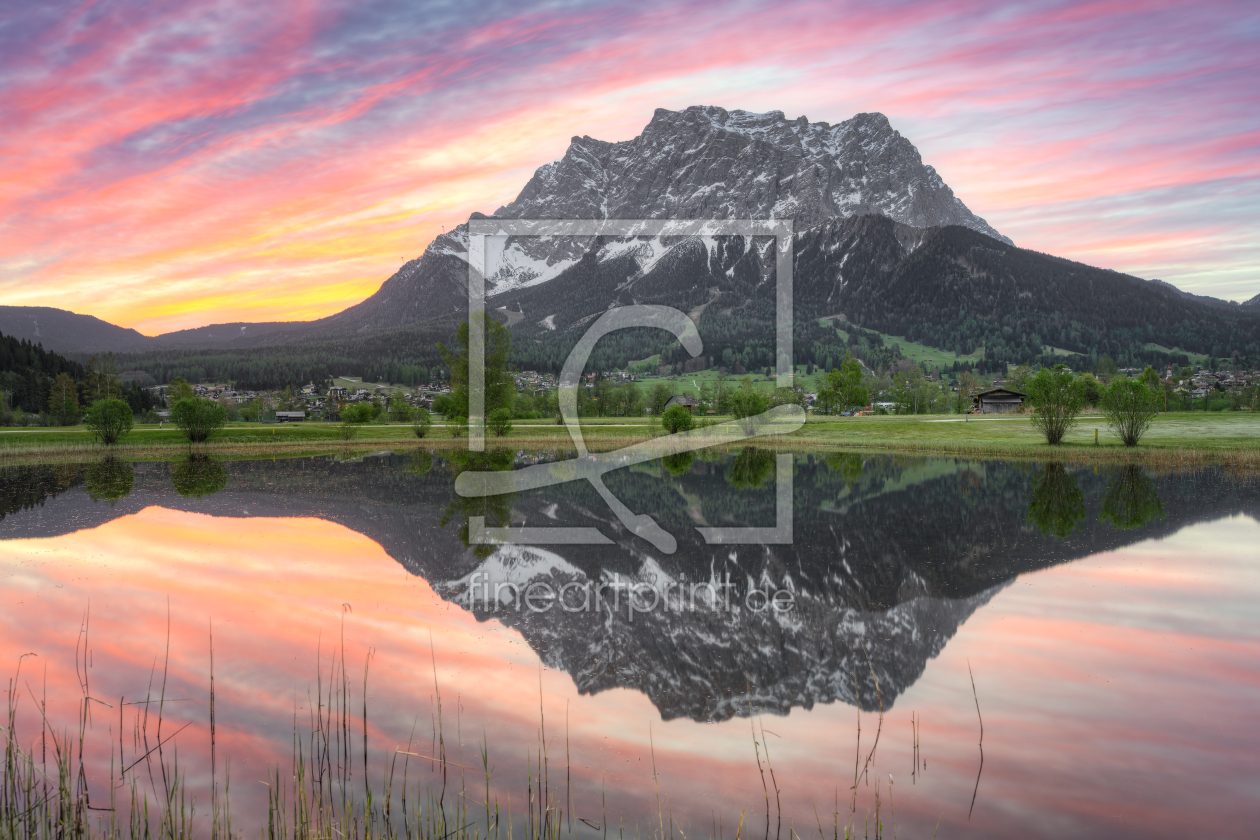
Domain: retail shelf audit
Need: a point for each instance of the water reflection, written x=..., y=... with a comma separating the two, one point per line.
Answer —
x=848, y=464
x=891, y=555
x=1131, y=500
x=1056, y=504
x=198, y=476
x=678, y=464
x=26, y=487
x=752, y=468
x=421, y=462
x=496, y=510
x=109, y=480
x=1082, y=670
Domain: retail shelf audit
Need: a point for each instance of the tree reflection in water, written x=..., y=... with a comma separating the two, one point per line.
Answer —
x=109, y=480
x=421, y=462
x=1056, y=505
x=1131, y=500
x=198, y=476
x=750, y=469
x=678, y=464
x=848, y=464
x=496, y=509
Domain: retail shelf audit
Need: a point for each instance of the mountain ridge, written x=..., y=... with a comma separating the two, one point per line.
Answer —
x=836, y=182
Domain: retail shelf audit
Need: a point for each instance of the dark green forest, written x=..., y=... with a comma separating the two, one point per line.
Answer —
x=27, y=371
x=410, y=357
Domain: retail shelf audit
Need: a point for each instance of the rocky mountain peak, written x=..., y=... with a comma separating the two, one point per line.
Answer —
x=705, y=161
x=701, y=162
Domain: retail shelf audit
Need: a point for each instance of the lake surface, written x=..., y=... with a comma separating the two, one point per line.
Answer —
x=1107, y=619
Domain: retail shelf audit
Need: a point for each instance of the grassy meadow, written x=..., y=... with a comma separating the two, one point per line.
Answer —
x=1231, y=437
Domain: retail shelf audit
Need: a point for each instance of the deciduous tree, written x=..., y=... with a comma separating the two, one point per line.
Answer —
x=1130, y=408
x=198, y=419
x=677, y=419
x=1057, y=399
x=63, y=399
x=109, y=421
x=421, y=420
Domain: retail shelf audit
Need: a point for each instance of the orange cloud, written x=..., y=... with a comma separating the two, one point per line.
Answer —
x=181, y=166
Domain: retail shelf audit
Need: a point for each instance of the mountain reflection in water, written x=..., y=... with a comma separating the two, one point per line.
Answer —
x=891, y=555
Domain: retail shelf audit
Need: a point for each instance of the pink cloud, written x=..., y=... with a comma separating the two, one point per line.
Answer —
x=184, y=156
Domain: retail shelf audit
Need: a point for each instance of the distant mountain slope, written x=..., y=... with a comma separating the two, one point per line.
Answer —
x=236, y=334
x=68, y=332
x=949, y=287
x=958, y=289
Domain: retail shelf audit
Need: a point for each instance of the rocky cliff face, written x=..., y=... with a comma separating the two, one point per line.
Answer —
x=709, y=163
x=702, y=162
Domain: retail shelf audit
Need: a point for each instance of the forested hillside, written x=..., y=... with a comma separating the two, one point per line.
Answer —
x=961, y=290
x=26, y=374
x=405, y=356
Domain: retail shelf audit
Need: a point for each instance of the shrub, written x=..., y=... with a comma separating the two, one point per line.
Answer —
x=677, y=419
x=109, y=420
x=198, y=419
x=352, y=417
x=399, y=410
x=1092, y=389
x=749, y=403
x=421, y=420
x=1057, y=399
x=746, y=404
x=357, y=413
x=500, y=421
x=1130, y=406
x=444, y=404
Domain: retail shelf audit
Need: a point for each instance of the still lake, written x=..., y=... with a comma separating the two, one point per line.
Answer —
x=1100, y=623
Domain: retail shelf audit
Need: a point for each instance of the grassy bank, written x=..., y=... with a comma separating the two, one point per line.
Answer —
x=1178, y=438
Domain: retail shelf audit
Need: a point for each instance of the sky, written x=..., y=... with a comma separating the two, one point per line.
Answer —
x=172, y=163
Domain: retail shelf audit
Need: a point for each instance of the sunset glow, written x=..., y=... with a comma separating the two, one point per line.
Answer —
x=171, y=164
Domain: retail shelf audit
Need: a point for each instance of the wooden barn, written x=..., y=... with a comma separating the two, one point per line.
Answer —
x=685, y=401
x=998, y=401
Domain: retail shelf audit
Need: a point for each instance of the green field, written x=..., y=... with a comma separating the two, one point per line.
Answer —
x=1179, y=437
x=921, y=352
x=689, y=383
x=1188, y=431
x=1196, y=359
x=353, y=385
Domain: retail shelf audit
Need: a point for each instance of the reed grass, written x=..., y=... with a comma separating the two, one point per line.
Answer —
x=331, y=789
